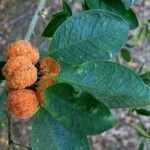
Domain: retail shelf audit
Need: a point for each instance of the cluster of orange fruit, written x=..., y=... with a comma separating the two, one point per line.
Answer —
x=27, y=77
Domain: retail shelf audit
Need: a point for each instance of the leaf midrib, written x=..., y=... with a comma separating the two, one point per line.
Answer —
x=78, y=42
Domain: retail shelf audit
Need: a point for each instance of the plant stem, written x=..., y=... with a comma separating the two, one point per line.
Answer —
x=10, y=141
x=34, y=20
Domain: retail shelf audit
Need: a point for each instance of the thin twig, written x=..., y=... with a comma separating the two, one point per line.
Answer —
x=34, y=20
x=10, y=141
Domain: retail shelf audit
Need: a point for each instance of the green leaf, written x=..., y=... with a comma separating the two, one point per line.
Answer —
x=89, y=35
x=112, y=84
x=2, y=63
x=126, y=55
x=82, y=114
x=66, y=8
x=146, y=77
x=129, y=3
x=116, y=7
x=47, y=134
x=141, y=147
x=141, y=131
x=56, y=21
x=143, y=112
x=3, y=98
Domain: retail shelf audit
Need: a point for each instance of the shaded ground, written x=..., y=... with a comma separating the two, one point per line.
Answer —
x=15, y=18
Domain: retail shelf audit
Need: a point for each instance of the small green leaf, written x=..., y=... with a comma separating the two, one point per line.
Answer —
x=146, y=77
x=89, y=35
x=47, y=134
x=143, y=112
x=82, y=114
x=141, y=131
x=112, y=84
x=116, y=7
x=126, y=55
x=141, y=147
x=2, y=63
x=56, y=21
x=66, y=8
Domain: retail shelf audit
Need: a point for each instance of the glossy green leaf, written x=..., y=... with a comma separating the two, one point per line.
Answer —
x=116, y=7
x=3, y=97
x=129, y=3
x=82, y=114
x=2, y=63
x=125, y=54
x=112, y=84
x=143, y=112
x=66, y=8
x=47, y=134
x=141, y=131
x=56, y=21
x=89, y=35
x=146, y=77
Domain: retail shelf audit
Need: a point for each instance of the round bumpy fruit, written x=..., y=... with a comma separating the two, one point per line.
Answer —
x=14, y=64
x=23, y=48
x=22, y=78
x=22, y=104
x=19, y=72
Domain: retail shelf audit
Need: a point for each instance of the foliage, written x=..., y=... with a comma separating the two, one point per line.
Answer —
x=116, y=7
x=125, y=54
x=90, y=83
